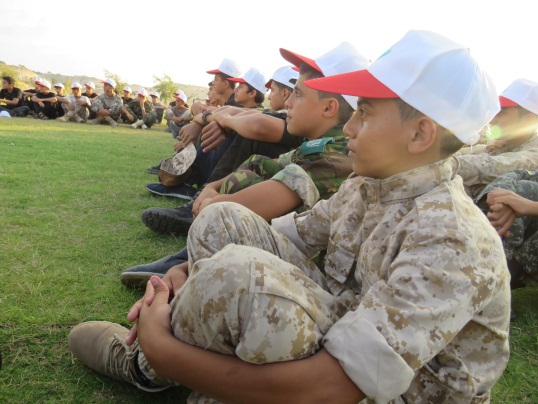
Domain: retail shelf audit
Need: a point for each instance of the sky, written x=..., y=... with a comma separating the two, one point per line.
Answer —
x=141, y=39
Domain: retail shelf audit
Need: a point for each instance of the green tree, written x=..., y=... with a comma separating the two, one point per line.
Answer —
x=119, y=81
x=165, y=87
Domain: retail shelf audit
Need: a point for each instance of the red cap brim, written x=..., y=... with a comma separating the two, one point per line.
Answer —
x=360, y=83
x=237, y=80
x=268, y=84
x=296, y=59
x=506, y=102
x=215, y=71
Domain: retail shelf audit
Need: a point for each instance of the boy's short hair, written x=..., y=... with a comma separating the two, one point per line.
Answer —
x=259, y=98
x=224, y=76
x=281, y=86
x=344, y=109
x=9, y=79
x=450, y=144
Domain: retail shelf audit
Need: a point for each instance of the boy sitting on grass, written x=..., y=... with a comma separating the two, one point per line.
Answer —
x=414, y=303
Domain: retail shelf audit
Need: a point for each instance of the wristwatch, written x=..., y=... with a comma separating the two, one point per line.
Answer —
x=205, y=115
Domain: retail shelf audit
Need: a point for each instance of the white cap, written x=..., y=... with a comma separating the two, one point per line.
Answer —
x=90, y=84
x=76, y=85
x=431, y=73
x=521, y=92
x=110, y=81
x=228, y=67
x=181, y=95
x=38, y=80
x=342, y=59
x=44, y=83
x=127, y=88
x=143, y=91
x=155, y=94
x=253, y=77
x=285, y=75
x=59, y=85
x=4, y=114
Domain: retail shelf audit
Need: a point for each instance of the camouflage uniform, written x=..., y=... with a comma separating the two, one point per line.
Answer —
x=112, y=104
x=414, y=302
x=478, y=170
x=522, y=245
x=314, y=170
x=134, y=109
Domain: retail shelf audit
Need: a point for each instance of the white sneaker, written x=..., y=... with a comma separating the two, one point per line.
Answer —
x=144, y=126
x=95, y=121
x=111, y=121
x=137, y=124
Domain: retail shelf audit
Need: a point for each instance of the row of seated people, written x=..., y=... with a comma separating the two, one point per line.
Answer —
x=141, y=112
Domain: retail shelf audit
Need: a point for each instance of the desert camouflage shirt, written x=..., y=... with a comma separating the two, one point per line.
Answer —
x=425, y=276
x=316, y=169
x=113, y=104
x=478, y=170
x=134, y=108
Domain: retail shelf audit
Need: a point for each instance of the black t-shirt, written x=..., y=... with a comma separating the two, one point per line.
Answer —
x=16, y=93
x=46, y=95
x=126, y=101
x=91, y=96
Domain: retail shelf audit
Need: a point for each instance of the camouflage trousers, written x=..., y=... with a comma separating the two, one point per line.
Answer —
x=522, y=245
x=251, y=293
x=254, y=170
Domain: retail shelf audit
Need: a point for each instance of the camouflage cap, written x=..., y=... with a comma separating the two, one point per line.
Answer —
x=175, y=170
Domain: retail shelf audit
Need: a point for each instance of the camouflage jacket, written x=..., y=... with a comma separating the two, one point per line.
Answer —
x=113, y=104
x=134, y=108
x=425, y=277
x=478, y=170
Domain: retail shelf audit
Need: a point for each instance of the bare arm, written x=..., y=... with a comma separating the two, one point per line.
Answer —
x=319, y=378
x=255, y=126
x=14, y=101
x=268, y=199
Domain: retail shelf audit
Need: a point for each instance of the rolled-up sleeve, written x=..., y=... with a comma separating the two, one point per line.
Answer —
x=298, y=180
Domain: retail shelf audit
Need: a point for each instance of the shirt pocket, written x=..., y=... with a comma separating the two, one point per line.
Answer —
x=339, y=266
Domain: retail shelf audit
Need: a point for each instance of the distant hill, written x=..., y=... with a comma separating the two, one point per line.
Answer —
x=25, y=79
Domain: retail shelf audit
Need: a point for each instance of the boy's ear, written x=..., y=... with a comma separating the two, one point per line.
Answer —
x=423, y=136
x=330, y=107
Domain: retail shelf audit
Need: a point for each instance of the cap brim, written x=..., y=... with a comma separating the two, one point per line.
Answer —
x=268, y=84
x=296, y=59
x=237, y=80
x=506, y=102
x=359, y=83
x=214, y=71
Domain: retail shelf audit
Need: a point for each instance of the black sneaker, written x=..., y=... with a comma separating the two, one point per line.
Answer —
x=169, y=220
x=138, y=276
x=182, y=191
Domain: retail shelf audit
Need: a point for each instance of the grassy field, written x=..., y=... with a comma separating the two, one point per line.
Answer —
x=71, y=199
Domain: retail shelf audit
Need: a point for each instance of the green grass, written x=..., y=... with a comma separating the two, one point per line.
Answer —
x=71, y=198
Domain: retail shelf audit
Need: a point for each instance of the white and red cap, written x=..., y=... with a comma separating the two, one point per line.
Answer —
x=253, y=77
x=59, y=85
x=180, y=95
x=285, y=75
x=228, y=67
x=44, y=83
x=342, y=59
x=90, y=84
x=155, y=94
x=110, y=82
x=431, y=73
x=75, y=85
x=143, y=92
x=523, y=93
x=38, y=80
x=128, y=89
